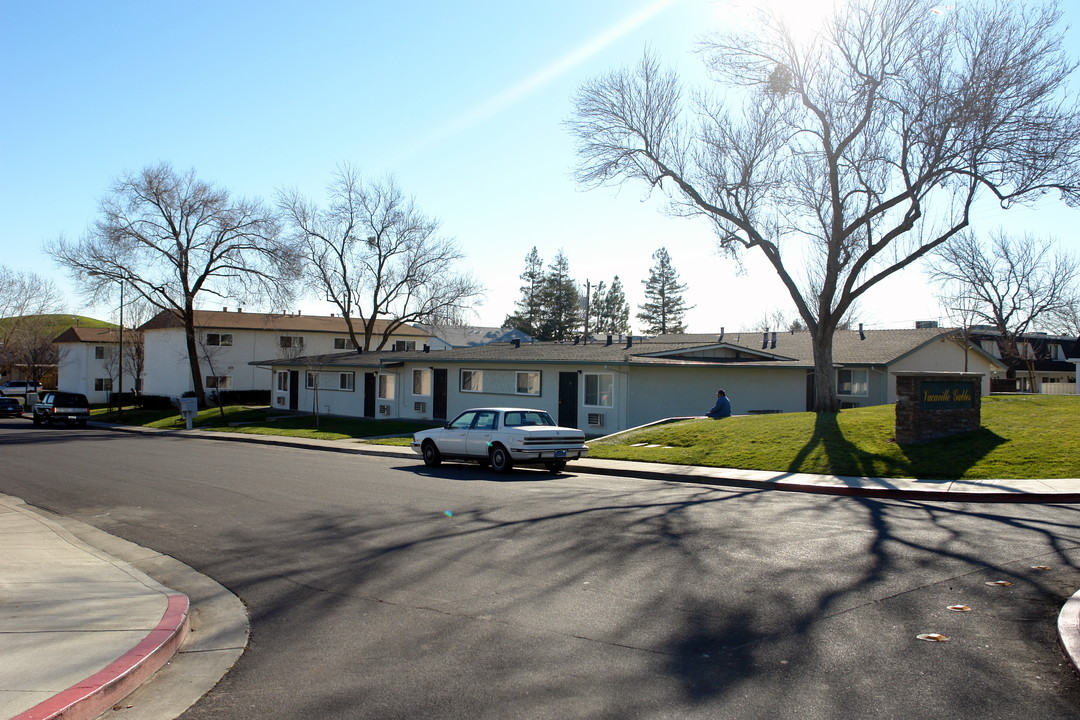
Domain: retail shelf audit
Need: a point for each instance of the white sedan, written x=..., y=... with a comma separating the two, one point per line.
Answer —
x=501, y=437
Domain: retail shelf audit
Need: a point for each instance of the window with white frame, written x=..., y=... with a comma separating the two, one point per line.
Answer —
x=223, y=339
x=421, y=382
x=283, y=381
x=291, y=341
x=387, y=386
x=218, y=382
x=404, y=345
x=528, y=383
x=103, y=384
x=347, y=381
x=99, y=352
x=311, y=380
x=599, y=388
x=472, y=381
x=344, y=344
x=852, y=381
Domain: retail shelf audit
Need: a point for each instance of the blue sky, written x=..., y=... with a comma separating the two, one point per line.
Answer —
x=462, y=102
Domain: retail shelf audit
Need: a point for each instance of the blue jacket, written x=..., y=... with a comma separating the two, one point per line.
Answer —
x=721, y=409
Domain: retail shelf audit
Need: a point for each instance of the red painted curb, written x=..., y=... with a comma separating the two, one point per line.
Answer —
x=97, y=693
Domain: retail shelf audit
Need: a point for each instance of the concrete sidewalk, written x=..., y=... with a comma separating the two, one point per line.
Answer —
x=80, y=629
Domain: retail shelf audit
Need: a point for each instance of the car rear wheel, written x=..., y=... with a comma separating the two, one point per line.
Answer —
x=555, y=465
x=432, y=456
x=500, y=459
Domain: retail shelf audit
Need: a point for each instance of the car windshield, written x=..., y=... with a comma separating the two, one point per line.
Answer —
x=524, y=418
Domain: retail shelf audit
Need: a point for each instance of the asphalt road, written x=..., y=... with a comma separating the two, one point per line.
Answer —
x=378, y=588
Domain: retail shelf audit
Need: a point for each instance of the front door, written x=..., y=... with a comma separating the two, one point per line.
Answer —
x=568, y=399
x=370, y=389
x=438, y=404
x=294, y=389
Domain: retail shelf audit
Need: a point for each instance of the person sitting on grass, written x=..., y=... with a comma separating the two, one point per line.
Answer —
x=722, y=408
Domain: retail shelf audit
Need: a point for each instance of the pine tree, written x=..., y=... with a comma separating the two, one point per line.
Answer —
x=610, y=311
x=664, y=309
x=561, y=302
x=530, y=308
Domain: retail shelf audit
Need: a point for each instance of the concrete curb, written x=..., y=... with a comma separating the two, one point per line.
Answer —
x=93, y=696
x=1069, y=631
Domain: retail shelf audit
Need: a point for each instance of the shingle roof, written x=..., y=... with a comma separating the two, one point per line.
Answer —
x=880, y=347
x=468, y=336
x=239, y=320
x=89, y=335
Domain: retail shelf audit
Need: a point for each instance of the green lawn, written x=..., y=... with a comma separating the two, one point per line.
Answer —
x=1021, y=437
x=263, y=421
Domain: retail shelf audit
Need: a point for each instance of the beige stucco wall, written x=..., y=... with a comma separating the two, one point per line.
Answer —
x=944, y=355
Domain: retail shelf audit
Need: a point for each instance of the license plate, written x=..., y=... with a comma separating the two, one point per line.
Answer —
x=560, y=453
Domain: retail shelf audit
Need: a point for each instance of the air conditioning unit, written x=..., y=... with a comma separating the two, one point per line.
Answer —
x=420, y=407
x=595, y=420
x=384, y=409
x=280, y=401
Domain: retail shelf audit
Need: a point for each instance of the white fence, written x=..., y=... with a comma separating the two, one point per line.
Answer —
x=1058, y=388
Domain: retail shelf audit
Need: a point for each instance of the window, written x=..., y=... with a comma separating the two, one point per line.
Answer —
x=463, y=421
x=599, y=388
x=528, y=383
x=291, y=341
x=386, y=386
x=851, y=381
x=103, y=384
x=219, y=338
x=421, y=382
x=283, y=382
x=217, y=382
x=472, y=381
x=344, y=344
x=99, y=352
x=485, y=420
x=346, y=381
x=311, y=380
x=400, y=345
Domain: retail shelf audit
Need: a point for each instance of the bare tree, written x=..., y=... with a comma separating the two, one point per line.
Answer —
x=1014, y=285
x=175, y=239
x=850, y=155
x=27, y=300
x=377, y=257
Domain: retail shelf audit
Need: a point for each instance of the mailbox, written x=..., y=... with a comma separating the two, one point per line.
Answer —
x=189, y=408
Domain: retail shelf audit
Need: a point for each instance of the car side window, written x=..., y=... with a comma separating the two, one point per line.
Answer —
x=463, y=421
x=485, y=421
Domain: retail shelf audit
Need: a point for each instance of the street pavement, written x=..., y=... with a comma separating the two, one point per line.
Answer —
x=82, y=623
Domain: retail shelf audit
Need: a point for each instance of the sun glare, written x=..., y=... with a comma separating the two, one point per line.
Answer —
x=802, y=17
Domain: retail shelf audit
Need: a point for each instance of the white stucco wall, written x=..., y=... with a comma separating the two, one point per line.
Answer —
x=78, y=369
x=167, y=371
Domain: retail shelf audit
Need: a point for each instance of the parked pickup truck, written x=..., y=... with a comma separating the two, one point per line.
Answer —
x=72, y=408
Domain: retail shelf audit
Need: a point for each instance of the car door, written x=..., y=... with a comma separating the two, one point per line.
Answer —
x=476, y=445
x=451, y=441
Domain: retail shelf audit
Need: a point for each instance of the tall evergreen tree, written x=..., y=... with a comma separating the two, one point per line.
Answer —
x=609, y=309
x=530, y=308
x=561, y=302
x=664, y=309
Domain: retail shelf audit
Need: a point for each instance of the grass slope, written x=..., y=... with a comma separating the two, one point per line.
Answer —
x=1021, y=437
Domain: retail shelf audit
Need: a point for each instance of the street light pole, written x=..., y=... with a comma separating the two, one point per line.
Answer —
x=120, y=363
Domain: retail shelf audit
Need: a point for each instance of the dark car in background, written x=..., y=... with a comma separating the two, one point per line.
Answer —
x=71, y=408
x=10, y=407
